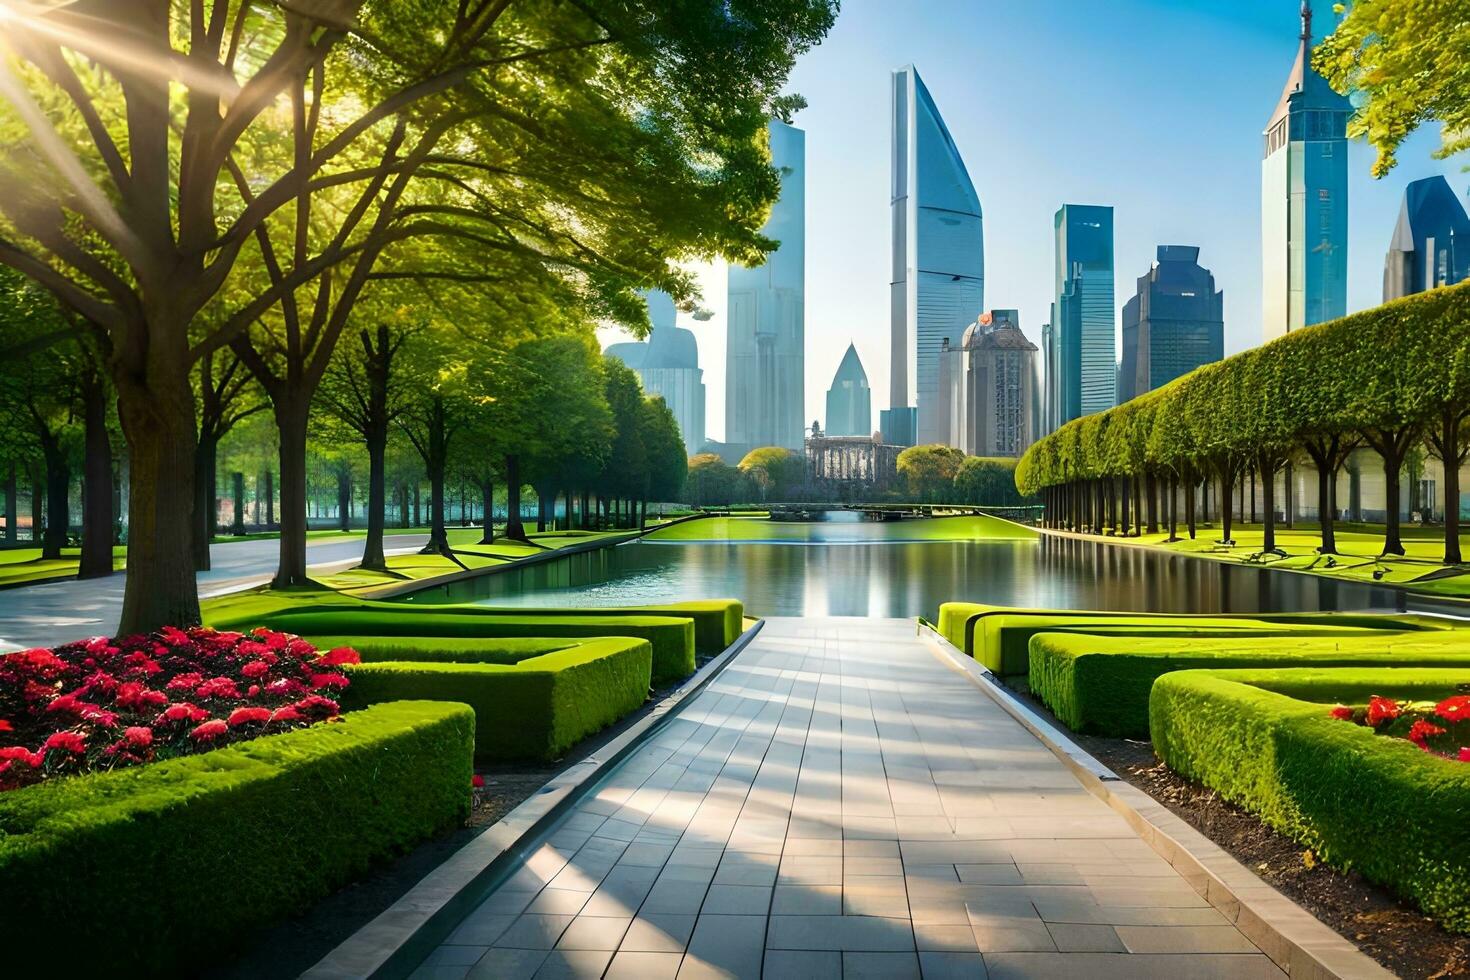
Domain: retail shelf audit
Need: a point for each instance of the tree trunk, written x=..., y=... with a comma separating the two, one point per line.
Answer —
x=436, y=461
x=417, y=510
x=1268, y=508
x=1452, y=496
x=292, y=414
x=514, y=529
x=11, y=511
x=270, y=495
x=540, y=510
x=1227, y=484
x=1325, y=508
x=1189, y=514
x=237, y=526
x=58, y=486
x=205, y=455
x=344, y=501
x=377, y=503
x=1393, y=495
x=1173, y=511
x=487, y=502
x=97, y=515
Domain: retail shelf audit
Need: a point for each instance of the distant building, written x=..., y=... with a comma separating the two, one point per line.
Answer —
x=1081, y=375
x=765, y=367
x=989, y=387
x=1304, y=200
x=849, y=400
x=938, y=278
x=849, y=467
x=1174, y=323
x=1431, y=242
x=668, y=366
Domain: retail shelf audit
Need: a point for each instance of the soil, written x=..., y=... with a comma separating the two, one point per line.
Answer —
x=1399, y=937
x=294, y=945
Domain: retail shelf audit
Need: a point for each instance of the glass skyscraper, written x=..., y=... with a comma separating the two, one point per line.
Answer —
x=849, y=401
x=1304, y=200
x=765, y=385
x=1172, y=325
x=938, y=280
x=1081, y=369
x=1431, y=242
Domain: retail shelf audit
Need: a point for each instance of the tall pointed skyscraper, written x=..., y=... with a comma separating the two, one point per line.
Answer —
x=1081, y=372
x=1431, y=241
x=1304, y=200
x=849, y=401
x=765, y=381
x=938, y=284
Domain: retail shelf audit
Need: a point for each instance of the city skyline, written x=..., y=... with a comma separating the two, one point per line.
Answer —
x=1215, y=83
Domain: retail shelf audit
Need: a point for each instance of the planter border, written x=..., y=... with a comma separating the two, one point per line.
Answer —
x=394, y=943
x=1291, y=936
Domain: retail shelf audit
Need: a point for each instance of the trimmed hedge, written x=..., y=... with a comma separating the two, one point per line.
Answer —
x=446, y=649
x=159, y=868
x=1371, y=803
x=672, y=639
x=1100, y=684
x=999, y=636
x=535, y=709
x=717, y=622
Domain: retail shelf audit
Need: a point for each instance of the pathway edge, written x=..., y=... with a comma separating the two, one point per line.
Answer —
x=1294, y=939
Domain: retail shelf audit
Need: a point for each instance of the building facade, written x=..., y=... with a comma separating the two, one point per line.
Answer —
x=1304, y=200
x=668, y=366
x=989, y=387
x=1431, y=242
x=938, y=279
x=849, y=400
x=849, y=467
x=1172, y=325
x=1081, y=348
x=765, y=385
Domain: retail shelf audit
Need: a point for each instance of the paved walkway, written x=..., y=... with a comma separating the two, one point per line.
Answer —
x=55, y=612
x=839, y=803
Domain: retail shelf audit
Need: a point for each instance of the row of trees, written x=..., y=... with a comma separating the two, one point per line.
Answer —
x=1395, y=379
x=940, y=474
x=216, y=189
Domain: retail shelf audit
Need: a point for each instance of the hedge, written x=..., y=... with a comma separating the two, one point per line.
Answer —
x=447, y=649
x=998, y=636
x=535, y=709
x=717, y=622
x=159, y=869
x=1100, y=684
x=1360, y=801
x=672, y=639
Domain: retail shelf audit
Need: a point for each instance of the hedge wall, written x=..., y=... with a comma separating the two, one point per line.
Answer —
x=447, y=649
x=1362, y=801
x=535, y=709
x=159, y=869
x=1100, y=684
x=717, y=622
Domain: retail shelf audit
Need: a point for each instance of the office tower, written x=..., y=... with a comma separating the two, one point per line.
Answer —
x=1431, y=242
x=1081, y=373
x=849, y=402
x=938, y=260
x=1172, y=325
x=1304, y=200
x=989, y=387
x=764, y=360
x=668, y=366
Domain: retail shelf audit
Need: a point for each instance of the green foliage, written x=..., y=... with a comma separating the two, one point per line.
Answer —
x=536, y=708
x=773, y=472
x=1100, y=683
x=713, y=482
x=930, y=471
x=1376, y=805
x=446, y=649
x=159, y=869
x=987, y=480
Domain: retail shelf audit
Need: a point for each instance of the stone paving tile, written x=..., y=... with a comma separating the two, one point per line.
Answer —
x=838, y=803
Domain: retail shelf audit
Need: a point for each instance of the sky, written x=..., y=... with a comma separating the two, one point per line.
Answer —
x=1152, y=106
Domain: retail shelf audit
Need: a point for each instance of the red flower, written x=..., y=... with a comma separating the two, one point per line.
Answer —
x=1455, y=708
x=6, y=726
x=338, y=656
x=246, y=716
x=139, y=737
x=174, y=636
x=1420, y=731
x=477, y=780
x=319, y=681
x=134, y=695
x=316, y=704
x=1465, y=754
x=1342, y=712
x=288, y=686
x=286, y=714
x=67, y=742
x=218, y=687
x=1382, y=709
x=184, y=711
x=185, y=682
x=20, y=753
x=209, y=731
x=300, y=649
x=255, y=668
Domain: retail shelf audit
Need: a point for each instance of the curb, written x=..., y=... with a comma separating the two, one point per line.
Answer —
x=400, y=937
x=1288, y=934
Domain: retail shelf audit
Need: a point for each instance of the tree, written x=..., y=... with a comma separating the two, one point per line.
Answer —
x=930, y=470
x=710, y=481
x=226, y=397
x=668, y=466
x=1406, y=60
x=987, y=480
x=775, y=471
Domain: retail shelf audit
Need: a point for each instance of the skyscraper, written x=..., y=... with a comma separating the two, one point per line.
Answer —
x=938, y=284
x=668, y=366
x=849, y=402
x=989, y=387
x=1081, y=371
x=1431, y=242
x=764, y=355
x=1304, y=200
x=1174, y=323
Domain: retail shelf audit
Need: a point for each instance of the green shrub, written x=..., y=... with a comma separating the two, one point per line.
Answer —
x=158, y=869
x=448, y=649
x=672, y=639
x=717, y=622
x=1100, y=683
x=999, y=636
x=535, y=709
x=1361, y=801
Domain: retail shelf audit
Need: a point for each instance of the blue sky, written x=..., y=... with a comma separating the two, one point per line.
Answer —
x=1153, y=107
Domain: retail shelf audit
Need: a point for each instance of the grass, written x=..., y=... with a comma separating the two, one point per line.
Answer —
x=758, y=528
x=24, y=566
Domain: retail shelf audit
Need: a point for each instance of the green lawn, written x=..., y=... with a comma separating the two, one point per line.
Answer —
x=759, y=528
x=23, y=566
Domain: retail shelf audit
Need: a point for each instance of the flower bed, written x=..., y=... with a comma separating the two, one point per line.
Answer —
x=105, y=704
x=1440, y=728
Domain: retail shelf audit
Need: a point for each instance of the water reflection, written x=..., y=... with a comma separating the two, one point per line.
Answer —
x=882, y=577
